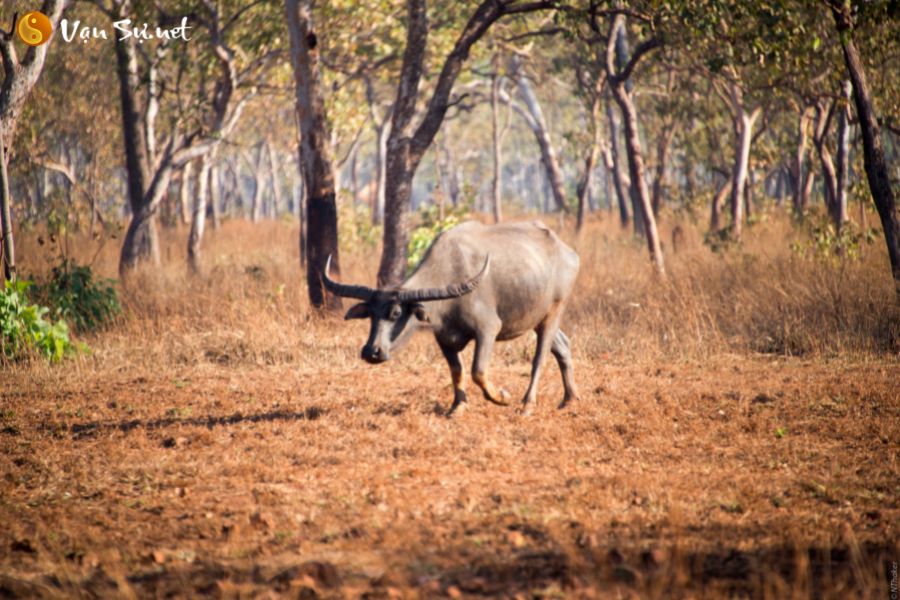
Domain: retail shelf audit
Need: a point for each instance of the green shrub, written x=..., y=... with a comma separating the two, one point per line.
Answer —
x=23, y=328
x=431, y=225
x=355, y=227
x=85, y=302
x=825, y=244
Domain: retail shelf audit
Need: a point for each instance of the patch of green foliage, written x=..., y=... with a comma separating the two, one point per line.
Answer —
x=356, y=229
x=23, y=328
x=76, y=296
x=825, y=243
x=431, y=225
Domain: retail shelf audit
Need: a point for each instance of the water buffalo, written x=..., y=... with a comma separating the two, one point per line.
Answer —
x=523, y=277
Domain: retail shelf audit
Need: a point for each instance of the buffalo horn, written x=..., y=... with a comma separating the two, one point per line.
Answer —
x=454, y=290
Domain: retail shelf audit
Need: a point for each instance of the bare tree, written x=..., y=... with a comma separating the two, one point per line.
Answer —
x=802, y=178
x=19, y=77
x=743, y=119
x=534, y=118
x=498, y=133
x=198, y=217
x=824, y=112
x=873, y=149
x=616, y=80
x=407, y=144
x=150, y=164
x=314, y=154
x=843, y=155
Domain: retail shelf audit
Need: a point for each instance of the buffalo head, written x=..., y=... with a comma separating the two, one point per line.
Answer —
x=394, y=314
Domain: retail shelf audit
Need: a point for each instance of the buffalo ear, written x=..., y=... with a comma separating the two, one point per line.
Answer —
x=419, y=312
x=358, y=311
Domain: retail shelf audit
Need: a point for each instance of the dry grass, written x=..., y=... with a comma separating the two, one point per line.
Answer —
x=737, y=435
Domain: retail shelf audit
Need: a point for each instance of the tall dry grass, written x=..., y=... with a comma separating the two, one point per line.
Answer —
x=250, y=304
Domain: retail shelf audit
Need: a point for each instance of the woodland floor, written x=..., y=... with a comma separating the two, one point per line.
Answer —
x=739, y=475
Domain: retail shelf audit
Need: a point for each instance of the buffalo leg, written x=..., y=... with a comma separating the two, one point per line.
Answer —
x=563, y=355
x=484, y=345
x=459, y=380
x=546, y=332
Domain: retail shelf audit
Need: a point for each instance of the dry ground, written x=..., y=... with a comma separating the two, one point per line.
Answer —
x=219, y=440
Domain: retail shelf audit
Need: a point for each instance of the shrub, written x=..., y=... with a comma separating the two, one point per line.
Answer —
x=431, y=225
x=85, y=302
x=23, y=328
x=826, y=244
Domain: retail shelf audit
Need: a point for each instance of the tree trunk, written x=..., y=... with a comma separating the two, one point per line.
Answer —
x=744, y=130
x=259, y=186
x=748, y=194
x=618, y=83
x=636, y=168
x=8, y=248
x=662, y=158
x=19, y=79
x=215, y=195
x=301, y=216
x=198, y=217
x=354, y=173
x=590, y=162
x=538, y=126
x=185, y=193
x=620, y=181
x=829, y=175
x=843, y=157
x=276, y=179
x=873, y=150
x=715, y=220
x=140, y=241
x=801, y=176
x=407, y=145
x=497, y=181
x=315, y=154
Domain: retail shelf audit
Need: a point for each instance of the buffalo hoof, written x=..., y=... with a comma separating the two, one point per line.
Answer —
x=527, y=409
x=566, y=402
x=500, y=398
x=457, y=409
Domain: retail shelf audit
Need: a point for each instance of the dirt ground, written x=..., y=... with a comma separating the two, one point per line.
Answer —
x=746, y=475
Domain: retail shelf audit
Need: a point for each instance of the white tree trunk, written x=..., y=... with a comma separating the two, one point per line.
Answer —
x=198, y=218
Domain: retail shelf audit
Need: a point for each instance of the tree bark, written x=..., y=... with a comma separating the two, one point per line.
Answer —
x=715, y=220
x=185, y=193
x=663, y=143
x=140, y=241
x=843, y=157
x=496, y=138
x=590, y=162
x=382, y=130
x=20, y=76
x=198, y=217
x=538, y=126
x=620, y=180
x=873, y=149
x=829, y=174
x=314, y=153
x=215, y=195
x=406, y=145
x=617, y=82
x=259, y=186
x=276, y=179
x=743, y=127
x=801, y=176
x=8, y=248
